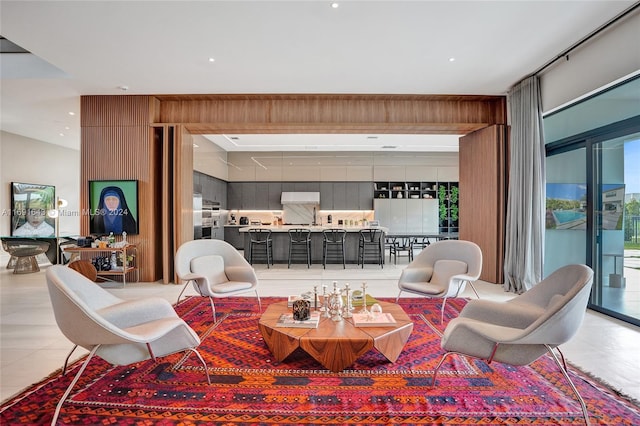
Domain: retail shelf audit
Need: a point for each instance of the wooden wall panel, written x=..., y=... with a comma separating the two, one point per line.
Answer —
x=483, y=171
x=442, y=114
x=115, y=144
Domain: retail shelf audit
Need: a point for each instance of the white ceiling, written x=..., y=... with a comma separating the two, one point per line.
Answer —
x=369, y=47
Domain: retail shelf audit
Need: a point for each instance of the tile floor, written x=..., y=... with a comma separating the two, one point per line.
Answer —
x=32, y=347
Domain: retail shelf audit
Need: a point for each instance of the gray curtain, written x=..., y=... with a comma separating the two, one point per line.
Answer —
x=524, y=239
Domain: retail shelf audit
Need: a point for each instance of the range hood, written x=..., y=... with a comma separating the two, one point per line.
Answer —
x=300, y=198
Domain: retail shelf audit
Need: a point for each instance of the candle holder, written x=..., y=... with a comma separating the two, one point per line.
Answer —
x=364, y=299
x=348, y=307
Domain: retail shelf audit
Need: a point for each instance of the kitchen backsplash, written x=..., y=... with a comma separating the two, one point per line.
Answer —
x=348, y=218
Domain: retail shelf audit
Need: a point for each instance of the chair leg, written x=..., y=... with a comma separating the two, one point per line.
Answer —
x=444, y=302
x=259, y=302
x=474, y=289
x=66, y=361
x=72, y=384
x=213, y=309
x=206, y=369
x=435, y=371
x=573, y=387
x=398, y=296
x=181, y=292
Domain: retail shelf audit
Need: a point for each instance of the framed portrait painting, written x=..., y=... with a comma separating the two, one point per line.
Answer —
x=113, y=207
x=32, y=206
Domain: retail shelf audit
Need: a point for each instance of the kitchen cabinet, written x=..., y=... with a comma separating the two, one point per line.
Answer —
x=326, y=195
x=234, y=195
x=340, y=196
x=275, y=196
x=249, y=196
x=232, y=236
x=411, y=216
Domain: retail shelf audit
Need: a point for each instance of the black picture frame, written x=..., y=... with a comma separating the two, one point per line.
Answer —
x=39, y=199
x=124, y=217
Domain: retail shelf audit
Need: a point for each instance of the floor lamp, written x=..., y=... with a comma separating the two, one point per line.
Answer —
x=60, y=203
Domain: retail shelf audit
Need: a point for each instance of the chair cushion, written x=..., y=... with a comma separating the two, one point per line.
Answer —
x=443, y=270
x=210, y=266
x=230, y=286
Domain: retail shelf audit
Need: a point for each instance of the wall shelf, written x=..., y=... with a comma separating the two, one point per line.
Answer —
x=446, y=192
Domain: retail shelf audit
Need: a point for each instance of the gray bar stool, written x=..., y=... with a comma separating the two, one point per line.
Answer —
x=261, y=240
x=371, y=246
x=333, y=245
x=299, y=244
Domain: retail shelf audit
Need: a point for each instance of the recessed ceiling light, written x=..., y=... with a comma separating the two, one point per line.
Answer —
x=123, y=88
x=212, y=59
x=335, y=5
x=372, y=137
x=61, y=134
x=72, y=113
x=452, y=59
x=67, y=127
x=196, y=146
x=389, y=147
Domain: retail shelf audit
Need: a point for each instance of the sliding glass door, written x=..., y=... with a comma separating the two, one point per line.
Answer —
x=593, y=194
x=616, y=178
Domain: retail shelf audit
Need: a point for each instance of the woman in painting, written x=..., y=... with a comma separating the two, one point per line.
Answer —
x=113, y=214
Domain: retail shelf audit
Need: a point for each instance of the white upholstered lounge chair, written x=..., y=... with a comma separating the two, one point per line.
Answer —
x=216, y=269
x=521, y=330
x=442, y=270
x=119, y=331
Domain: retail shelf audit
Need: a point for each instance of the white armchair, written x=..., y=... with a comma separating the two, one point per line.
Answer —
x=521, y=330
x=120, y=332
x=216, y=269
x=442, y=270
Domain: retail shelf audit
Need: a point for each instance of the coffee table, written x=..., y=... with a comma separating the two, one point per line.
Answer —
x=335, y=345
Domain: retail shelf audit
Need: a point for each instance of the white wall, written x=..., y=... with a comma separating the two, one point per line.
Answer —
x=31, y=161
x=611, y=55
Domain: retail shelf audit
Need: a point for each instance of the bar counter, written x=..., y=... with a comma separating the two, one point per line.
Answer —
x=280, y=237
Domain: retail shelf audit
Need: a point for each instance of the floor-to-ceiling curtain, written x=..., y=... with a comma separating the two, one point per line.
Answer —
x=524, y=237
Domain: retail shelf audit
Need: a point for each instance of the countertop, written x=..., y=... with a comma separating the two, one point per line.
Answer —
x=317, y=228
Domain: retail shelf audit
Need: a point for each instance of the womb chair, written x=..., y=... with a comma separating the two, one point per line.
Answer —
x=442, y=270
x=521, y=330
x=216, y=269
x=119, y=331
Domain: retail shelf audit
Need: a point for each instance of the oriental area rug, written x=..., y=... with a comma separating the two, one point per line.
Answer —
x=249, y=387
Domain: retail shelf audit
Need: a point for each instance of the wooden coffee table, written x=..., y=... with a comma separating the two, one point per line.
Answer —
x=335, y=345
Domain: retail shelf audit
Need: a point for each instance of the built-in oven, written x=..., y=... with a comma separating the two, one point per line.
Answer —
x=210, y=217
x=206, y=217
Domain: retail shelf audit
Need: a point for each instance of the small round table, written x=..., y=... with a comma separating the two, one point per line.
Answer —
x=25, y=255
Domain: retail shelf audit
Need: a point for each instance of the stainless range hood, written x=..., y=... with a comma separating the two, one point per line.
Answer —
x=300, y=198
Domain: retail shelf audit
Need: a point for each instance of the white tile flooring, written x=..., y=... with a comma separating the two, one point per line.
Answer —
x=32, y=347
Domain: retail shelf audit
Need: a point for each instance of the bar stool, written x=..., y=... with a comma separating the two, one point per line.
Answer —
x=370, y=245
x=261, y=240
x=333, y=245
x=300, y=243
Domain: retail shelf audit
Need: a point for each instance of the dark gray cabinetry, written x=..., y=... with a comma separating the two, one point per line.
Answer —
x=233, y=236
x=275, y=195
x=234, y=195
x=326, y=195
x=267, y=195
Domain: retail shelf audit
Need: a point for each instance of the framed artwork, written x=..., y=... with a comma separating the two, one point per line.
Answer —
x=113, y=206
x=32, y=206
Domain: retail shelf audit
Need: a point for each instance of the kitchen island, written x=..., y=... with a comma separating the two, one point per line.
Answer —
x=280, y=237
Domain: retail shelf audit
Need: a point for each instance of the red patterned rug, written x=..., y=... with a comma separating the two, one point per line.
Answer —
x=249, y=387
